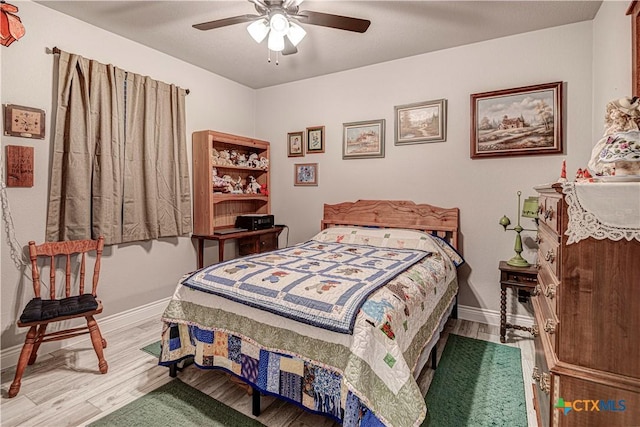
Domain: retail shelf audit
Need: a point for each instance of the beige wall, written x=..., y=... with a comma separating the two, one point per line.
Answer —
x=443, y=173
x=132, y=274
x=439, y=173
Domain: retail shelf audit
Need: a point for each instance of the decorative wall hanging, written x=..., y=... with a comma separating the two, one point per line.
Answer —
x=19, y=166
x=306, y=174
x=22, y=121
x=315, y=139
x=421, y=122
x=363, y=139
x=295, y=144
x=11, y=28
x=516, y=122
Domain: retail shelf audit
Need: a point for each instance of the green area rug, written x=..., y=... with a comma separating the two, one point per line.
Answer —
x=153, y=349
x=175, y=404
x=477, y=383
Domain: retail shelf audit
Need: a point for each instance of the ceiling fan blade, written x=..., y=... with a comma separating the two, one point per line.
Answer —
x=224, y=22
x=260, y=5
x=288, y=4
x=289, y=48
x=333, y=21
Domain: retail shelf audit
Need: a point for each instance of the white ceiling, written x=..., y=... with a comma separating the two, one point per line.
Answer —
x=398, y=29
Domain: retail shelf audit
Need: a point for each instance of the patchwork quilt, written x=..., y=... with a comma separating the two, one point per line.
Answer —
x=364, y=378
x=320, y=283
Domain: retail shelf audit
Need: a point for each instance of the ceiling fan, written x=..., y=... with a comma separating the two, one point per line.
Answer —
x=279, y=19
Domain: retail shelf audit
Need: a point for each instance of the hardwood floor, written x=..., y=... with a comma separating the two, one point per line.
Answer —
x=64, y=388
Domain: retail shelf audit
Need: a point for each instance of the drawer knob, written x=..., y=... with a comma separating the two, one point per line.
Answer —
x=534, y=330
x=550, y=326
x=545, y=383
x=551, y=291
x=536, y=374
x=550, y=256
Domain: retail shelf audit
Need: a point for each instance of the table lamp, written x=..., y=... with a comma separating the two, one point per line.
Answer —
x=529, y=210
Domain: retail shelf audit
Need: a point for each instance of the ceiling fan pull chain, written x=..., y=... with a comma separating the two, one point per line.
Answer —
x=277, y=58
x=269, y=56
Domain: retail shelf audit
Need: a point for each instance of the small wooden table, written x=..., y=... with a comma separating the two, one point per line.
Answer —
x=221, y=238
x=520, y=279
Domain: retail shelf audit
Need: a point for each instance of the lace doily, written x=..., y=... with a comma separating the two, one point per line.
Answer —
x=603, y=210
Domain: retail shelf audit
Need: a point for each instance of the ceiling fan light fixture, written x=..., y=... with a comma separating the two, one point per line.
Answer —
x=276, y=41
x=258, y=30
x=296, y=33
x=279, y=23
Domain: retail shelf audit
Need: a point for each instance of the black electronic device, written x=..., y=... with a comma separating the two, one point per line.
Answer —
x=253, y=222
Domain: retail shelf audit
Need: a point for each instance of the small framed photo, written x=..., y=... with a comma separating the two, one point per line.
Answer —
x=363, y=139
x=517, y=122
x=421, y=122
x=315, y=139
x=295, y=144
x=306, y=174
x=25, y=122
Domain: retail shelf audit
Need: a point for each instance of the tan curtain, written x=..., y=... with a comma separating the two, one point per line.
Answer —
x=119, y=166
x=86, y=185
x=157, y=200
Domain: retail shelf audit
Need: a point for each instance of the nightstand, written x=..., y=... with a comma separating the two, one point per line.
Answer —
x=522, y=280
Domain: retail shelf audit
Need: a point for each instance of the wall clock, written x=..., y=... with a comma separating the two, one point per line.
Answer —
x=22, y=121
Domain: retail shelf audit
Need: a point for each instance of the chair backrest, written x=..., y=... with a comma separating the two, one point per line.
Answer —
x=54, y=250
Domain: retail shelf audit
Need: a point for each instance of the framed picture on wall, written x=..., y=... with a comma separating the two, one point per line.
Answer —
x=25, y=122
x=517, y=122
x=306, y=174
x=421, y=122
x=363, y=139
x=315, y=139
x=295, y=144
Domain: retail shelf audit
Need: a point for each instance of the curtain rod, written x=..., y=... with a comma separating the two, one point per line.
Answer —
x=56, y=51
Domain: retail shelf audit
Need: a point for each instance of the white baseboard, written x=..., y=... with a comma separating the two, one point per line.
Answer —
x=143, y=313
x=491, y=317
x=107, y=324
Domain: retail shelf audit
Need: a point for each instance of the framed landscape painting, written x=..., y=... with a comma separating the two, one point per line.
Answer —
x=517, y=122
x=421, y=122
x=363, y=139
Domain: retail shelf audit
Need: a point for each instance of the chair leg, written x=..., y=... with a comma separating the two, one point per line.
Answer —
x=25, y=355
x=34, y=353
x=97, y=341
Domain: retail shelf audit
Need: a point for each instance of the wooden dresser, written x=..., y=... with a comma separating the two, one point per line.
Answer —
x=587, y=312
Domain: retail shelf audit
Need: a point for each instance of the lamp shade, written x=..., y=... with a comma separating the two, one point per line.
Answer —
x=530, y=207
x=258, y=30
x=296, y=33
x=276, y=41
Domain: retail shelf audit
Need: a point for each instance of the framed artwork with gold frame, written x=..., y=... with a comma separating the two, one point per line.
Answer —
x=305, y=174
x=295, y=144
x=315, y=139
x=25, y=122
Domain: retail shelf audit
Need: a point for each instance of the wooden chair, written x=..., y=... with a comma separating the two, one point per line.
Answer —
x=39, y=313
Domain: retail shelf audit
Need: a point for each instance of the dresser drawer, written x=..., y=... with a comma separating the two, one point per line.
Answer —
x=258, y=244
x=548, y=211
x=549, y=287
x=549, y=251
x=546, y=320
x=544, y=360
x=541, y=393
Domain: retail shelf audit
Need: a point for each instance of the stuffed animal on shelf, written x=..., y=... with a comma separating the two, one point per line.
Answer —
x=253, y=187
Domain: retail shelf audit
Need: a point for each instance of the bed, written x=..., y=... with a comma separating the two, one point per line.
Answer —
x=341, y=324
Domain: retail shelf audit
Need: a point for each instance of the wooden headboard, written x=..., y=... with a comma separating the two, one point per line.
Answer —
x=395, y=214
